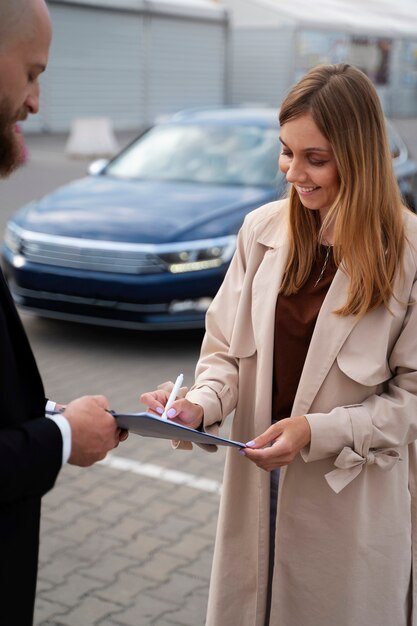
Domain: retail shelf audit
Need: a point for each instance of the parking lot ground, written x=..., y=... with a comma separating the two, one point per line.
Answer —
x=128, y=541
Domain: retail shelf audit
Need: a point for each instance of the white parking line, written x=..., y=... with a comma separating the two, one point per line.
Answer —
x=161, y=473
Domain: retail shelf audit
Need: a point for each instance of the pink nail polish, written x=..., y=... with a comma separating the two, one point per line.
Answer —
x=250, y=444
x=159, y=410
x=171, y=413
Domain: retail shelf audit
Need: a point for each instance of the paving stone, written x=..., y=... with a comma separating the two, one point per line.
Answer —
x=48, y=525
x=142, y=547
x=107, y=567
x=68, y=512
x=204, y=508
x=160, y=565
x=208, y=529
x=51, y=548
x=143, y=612
x=127, y=528
x=138, y=491
x=190, y=544
x=71, y=591
x=43, y=585
x=112, y=512
x=99, y=496
x=57, y=497
x=182, y=496
x=126, y=588
x=43, y=610
x=81, y=480
x=177, y=588
x=166, y=622
x=89, y=611
x=200, y=567
x=173, y=527
x=157, y=510
x=78, y=530
x=96, y=546
x=59, y=568
x=192, y=613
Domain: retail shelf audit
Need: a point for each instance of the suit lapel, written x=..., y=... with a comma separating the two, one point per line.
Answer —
x=330, y=332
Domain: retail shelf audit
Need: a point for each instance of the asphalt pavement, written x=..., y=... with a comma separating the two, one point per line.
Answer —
x=129, y=541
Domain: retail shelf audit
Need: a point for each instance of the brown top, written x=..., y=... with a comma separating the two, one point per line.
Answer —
x=295, y=318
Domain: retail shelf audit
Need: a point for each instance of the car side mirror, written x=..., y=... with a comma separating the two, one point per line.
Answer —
x=96, y=167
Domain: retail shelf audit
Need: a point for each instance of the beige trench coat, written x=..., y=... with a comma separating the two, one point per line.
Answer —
x=345, y=537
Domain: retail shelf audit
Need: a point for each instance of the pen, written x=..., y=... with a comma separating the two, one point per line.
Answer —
x=172, y=395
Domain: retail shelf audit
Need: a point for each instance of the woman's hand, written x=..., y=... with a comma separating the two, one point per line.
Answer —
x=288, y=437
x=182, y=411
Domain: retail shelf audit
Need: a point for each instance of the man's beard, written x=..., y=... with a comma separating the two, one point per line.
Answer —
x=11, y=143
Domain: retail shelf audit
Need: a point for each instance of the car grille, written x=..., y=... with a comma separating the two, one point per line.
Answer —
x=97, y=260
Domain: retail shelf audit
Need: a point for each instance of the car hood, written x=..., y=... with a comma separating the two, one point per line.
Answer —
x=106, y=208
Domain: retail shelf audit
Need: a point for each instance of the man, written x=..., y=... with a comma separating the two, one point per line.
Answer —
x=33, y=447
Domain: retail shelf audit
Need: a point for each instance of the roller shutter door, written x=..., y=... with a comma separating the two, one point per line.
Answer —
x=96, y=68
x=187, y=64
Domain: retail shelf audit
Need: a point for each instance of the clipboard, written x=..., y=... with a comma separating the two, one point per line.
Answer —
x=149, y=425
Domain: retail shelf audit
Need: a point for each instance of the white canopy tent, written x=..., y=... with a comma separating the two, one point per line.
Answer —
x=275, y=41
x=188, y=8
x=372, y=17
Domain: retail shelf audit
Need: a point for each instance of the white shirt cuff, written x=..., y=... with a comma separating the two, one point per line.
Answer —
x=65, y=428
x=50, y=406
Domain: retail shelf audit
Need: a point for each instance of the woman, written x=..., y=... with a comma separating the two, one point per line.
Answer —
x=316, y=319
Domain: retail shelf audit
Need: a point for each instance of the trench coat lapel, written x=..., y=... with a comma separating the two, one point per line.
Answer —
x=266, y=285
x=265, y=288
x=274, y=239
x=330, y=332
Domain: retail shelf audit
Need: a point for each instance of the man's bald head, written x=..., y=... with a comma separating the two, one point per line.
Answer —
x=25, y=38
x=17, y=21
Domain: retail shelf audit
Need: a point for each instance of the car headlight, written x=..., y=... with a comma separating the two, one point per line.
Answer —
x=12, y=239
x=204, y=255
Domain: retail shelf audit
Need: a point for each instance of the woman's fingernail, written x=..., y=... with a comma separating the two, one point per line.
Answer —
x=171, y=413
x=242, y=452
x=159, y=410
x=250, y=444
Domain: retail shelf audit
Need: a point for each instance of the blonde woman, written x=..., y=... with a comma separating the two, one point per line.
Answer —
x=312, y=339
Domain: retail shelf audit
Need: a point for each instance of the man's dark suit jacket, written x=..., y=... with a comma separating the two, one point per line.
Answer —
x=30, y=459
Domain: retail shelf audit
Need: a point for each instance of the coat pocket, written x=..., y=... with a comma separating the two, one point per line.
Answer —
x=369, y=368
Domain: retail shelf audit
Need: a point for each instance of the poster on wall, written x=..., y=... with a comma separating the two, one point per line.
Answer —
x=315, y=47
x=370, y=54
x=409, y=64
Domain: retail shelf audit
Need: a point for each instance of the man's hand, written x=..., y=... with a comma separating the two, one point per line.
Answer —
x=94, y=430
x=280, y=444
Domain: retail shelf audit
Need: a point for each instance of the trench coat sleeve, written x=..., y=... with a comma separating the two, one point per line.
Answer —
x=216, y=382
x=370, y=432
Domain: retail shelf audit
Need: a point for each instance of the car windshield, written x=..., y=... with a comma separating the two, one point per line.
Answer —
x=219, y=155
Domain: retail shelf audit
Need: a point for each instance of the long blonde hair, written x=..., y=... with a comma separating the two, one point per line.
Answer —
x=368, y=211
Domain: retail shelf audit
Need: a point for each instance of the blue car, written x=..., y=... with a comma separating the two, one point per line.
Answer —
x=145, y=241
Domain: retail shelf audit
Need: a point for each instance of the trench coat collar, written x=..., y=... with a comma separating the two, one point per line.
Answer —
x=330, y=331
